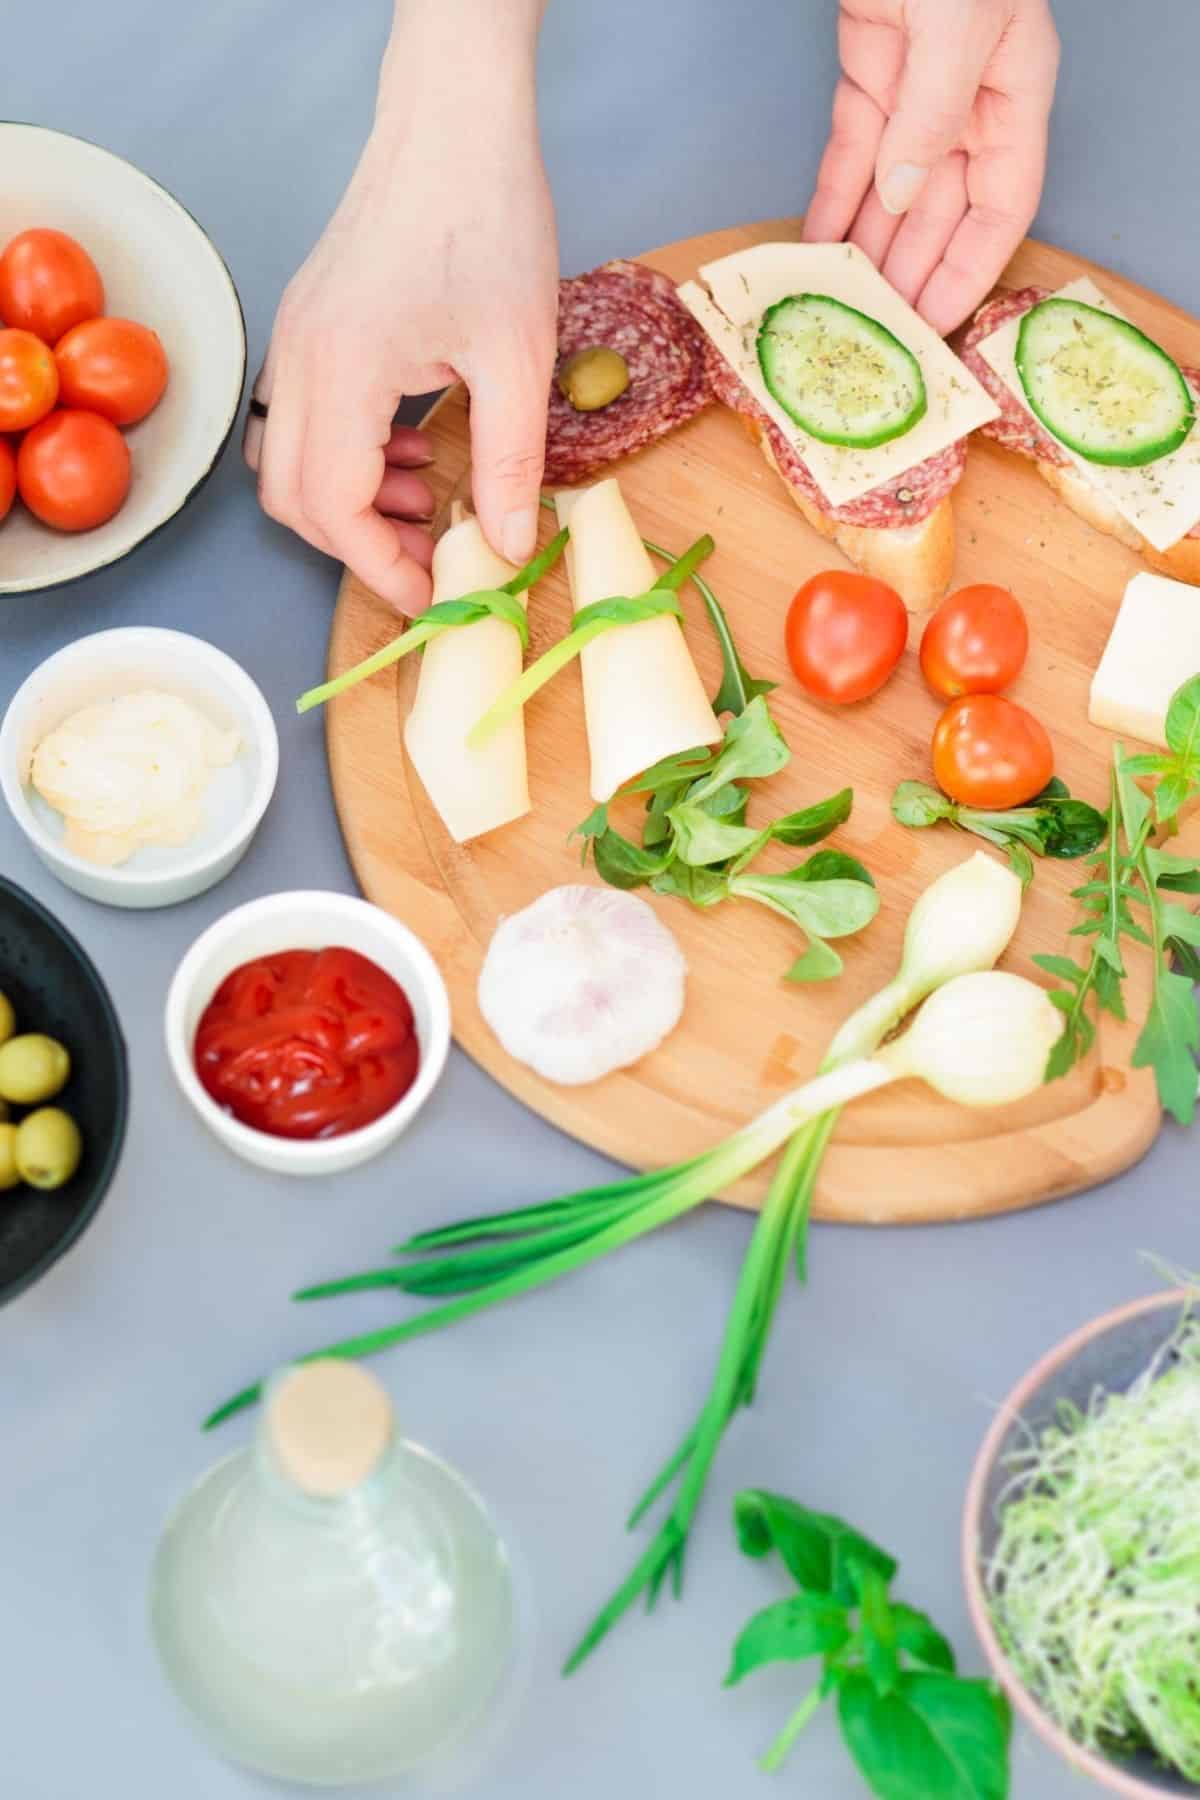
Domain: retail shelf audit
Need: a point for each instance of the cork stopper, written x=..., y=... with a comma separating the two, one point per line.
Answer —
x=328, y=1424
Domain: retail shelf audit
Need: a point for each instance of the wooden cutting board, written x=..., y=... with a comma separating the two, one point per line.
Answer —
x=903, y=1155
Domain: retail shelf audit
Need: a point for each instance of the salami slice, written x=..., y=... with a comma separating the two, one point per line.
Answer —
x=634, y=310
x=906, y=499
x=1016, y=428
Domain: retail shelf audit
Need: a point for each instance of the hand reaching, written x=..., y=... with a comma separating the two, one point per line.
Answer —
x=937, y=151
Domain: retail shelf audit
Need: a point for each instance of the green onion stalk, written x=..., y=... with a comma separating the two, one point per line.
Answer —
x=959, y=925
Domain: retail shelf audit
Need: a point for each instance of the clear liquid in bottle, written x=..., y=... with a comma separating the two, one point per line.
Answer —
x=332, y=1605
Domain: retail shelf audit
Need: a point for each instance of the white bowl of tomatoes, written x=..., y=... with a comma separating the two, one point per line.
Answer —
x=122, y=358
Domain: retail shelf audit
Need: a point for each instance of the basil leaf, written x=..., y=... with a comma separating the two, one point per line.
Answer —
x=813, y=823
x=918, y=1637
x=935, y=1738
x=916, y=804
x=1183, y=723
x=818, y=1549
x=806, y=1625
x=817, y=963
x=821, y=907
x=877, y=1628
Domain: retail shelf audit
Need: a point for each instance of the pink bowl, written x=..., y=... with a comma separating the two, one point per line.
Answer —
x=1108, y=1353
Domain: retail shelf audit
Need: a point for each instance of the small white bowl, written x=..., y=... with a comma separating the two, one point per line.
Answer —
x=307, y=921
x=101, y=667
x=158, y=266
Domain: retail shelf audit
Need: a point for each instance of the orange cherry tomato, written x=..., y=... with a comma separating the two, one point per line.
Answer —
x=114, y=367
x=8, y=477
x=990, y=753
x=975, y=643
x=845, y=634
x=28, y=380
x=48, y=283
x=73, y=470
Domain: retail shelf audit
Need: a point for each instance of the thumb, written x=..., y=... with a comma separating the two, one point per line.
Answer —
x=509, y=399
x=949, y=48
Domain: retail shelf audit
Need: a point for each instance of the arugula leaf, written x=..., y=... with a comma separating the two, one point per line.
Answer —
x=790, y=1630
x=818, y=1550
x=737, y=688
x=936, y=1737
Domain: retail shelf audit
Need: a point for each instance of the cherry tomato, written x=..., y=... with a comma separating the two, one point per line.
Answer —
x=989, y=752
x=114, y=367
x=975, y=643
x=845, y=635
x=307, y=1043
x=73, y=470
x=8, y=477
x=48, y=283
x=28, y=380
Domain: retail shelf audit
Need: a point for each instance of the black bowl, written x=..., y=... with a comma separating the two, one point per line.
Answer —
x=54, y=988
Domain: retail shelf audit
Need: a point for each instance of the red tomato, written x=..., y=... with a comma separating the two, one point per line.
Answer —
x=114, y=367
x=8, y=477
x=307, y=1043
x=73, y=470
x=989, y=752
x=48, y=283
x=28, y=380
x=845, y=635
x=975, y=643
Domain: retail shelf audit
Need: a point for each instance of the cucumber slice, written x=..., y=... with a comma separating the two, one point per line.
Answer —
x=838, y=373
x=1101, y=386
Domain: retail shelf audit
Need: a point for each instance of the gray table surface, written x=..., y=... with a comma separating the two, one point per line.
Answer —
x=660, y=120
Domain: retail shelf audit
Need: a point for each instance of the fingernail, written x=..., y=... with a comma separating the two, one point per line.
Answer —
x=518, y=534
x=900, y=187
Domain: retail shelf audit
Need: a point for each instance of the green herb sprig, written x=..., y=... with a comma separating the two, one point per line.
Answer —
x=911, y=1723
x=1051, y=824
x=1136, y=873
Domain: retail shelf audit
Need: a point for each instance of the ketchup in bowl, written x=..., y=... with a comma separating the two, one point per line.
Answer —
x=307, y=1043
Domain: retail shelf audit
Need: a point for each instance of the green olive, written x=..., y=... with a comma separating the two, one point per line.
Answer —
x=8, y=1018
x=9, y=1172
x=48, y=1147
x=593, y=378
x=33, y=1068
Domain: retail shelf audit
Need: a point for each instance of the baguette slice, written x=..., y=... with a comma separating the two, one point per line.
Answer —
x=1182, y=560
x=917, y=560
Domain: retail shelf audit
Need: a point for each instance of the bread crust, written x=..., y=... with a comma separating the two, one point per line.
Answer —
x=1182, y=560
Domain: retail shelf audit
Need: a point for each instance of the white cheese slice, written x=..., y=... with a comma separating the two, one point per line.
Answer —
x=462, y=672
x=642, y=697
x=1162, y=499
x=741, y=287
x=1153, y=649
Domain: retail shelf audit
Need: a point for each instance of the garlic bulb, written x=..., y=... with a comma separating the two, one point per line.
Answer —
x=584, y=981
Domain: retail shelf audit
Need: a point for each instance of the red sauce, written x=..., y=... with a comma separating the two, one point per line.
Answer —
x=308, y=1043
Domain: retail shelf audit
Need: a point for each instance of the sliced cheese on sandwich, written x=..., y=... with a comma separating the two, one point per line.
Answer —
x=462, y=672
x=728, y=303
x=642, y=697
x=1154, y=648
x=1161, y=499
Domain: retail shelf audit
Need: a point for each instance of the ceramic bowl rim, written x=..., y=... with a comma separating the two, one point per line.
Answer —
x=108, y=1166
x=125, y=879
x=28, y=585
x=1101, y=1769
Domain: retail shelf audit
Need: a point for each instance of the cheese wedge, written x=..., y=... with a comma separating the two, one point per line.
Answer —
x=1161, y=500
x=729, y=300
x=642, y=697
x=462, y=672
x=1154, y=648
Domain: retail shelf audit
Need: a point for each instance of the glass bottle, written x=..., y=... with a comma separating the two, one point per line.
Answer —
x=332, y=1604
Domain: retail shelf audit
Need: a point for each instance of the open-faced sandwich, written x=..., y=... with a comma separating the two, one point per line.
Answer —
x=856, y=402
x=1105, y=414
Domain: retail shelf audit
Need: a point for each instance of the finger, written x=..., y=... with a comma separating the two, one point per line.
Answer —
x=404, y=496
x=252, y=430
x=949, y=47
x=408, y=448
x=509, y=387
x=284, y=431
x=1003, y=187
x=924, y=233
x=847, y=167
x=874, y=229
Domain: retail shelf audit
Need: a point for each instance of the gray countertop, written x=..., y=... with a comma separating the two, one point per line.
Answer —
x=660, y=120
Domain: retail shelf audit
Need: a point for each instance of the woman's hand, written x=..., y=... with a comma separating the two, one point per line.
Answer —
x=439, y=264
x=935, y=161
